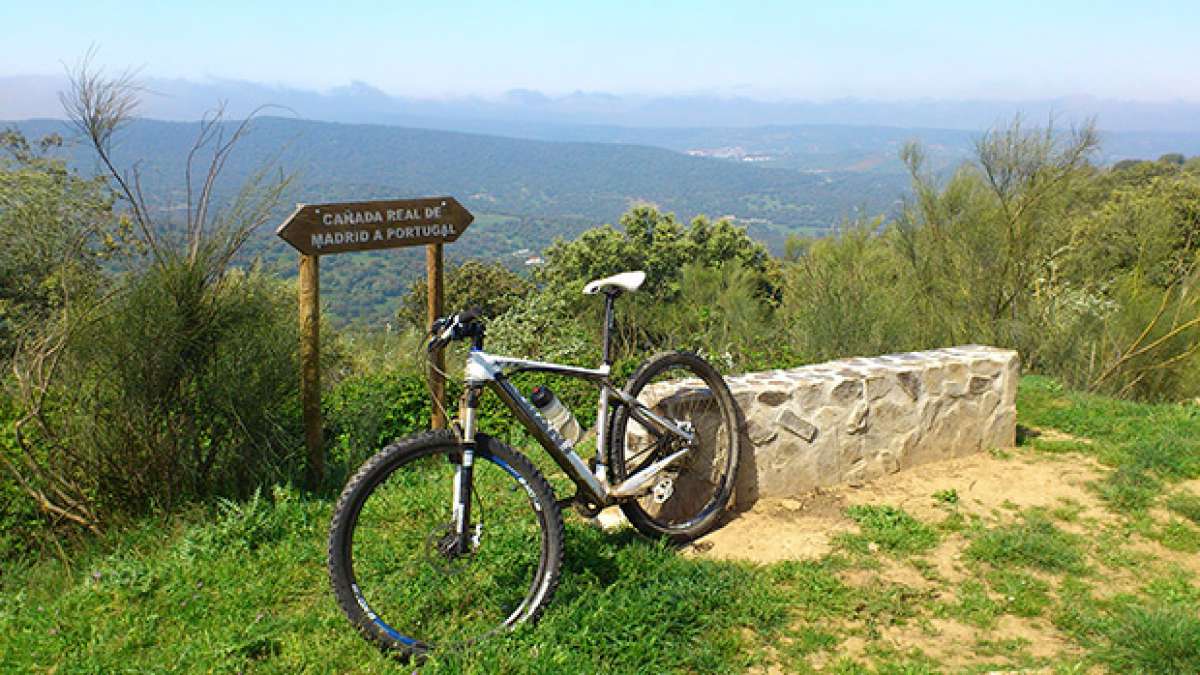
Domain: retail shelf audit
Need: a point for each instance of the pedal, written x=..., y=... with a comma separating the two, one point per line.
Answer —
x=586, y=510
x=581, y=506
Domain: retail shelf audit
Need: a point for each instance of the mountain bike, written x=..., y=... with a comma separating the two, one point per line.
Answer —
x=449, y=536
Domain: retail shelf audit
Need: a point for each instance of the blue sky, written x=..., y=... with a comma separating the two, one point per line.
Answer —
x=1146, y=50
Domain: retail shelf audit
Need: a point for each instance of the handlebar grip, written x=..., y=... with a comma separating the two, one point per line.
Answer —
x=454, y=327
x=470, y=315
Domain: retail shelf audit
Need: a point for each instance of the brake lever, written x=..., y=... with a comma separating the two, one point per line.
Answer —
x=442, y=332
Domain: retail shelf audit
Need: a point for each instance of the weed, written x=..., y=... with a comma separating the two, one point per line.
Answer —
x=1169, y=454
x=927, y=569
x=949, y=496
x=891, y=661
x=1068, y=510
x=1005, y=647
x=814, y=588
x=1130, y=488
x=807, y=641
x=1079, y=614
x=975, y=606
x=958, y=521
x=1111, y=550
x=1021, y=594
x=1059, y=447
x=1174, y=588
x=883, y=604
x=1160, y=634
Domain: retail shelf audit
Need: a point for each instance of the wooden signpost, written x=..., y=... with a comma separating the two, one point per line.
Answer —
x=321, y=229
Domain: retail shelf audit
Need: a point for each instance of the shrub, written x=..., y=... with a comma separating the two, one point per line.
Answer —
x=181, y=389
x=20, y=522
x=367, y=411
x=175, y=379
x=847, y=296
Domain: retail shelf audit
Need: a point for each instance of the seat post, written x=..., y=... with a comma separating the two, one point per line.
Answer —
x=610, y=297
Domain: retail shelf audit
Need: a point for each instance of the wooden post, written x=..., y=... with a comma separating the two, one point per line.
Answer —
x=310, y=368
x=433, y=273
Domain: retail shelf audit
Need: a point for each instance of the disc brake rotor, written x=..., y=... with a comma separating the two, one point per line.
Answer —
x=439, y=549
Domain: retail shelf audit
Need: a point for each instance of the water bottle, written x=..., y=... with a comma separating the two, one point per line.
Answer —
x=557, y=414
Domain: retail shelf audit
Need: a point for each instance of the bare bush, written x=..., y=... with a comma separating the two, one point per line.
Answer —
x=177, y=384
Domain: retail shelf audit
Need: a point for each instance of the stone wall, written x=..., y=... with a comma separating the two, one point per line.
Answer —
x=857, y=419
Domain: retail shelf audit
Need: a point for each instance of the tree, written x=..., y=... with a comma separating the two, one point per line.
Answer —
x=702, y=262
x=1126, y=164
x=658, y=244
x=490, y=286
x=977, y=246
x=57, y=228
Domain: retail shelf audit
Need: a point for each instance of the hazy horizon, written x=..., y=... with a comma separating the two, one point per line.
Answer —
x=770, y=51
x=513, y=112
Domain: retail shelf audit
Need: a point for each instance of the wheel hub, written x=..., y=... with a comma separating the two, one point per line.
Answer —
x=441, y=548
x=663, y=489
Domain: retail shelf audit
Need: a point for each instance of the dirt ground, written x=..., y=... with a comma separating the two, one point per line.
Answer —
x=992, y=486
x=987, y=485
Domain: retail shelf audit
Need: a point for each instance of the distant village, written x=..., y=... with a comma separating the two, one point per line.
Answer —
x=735, y=152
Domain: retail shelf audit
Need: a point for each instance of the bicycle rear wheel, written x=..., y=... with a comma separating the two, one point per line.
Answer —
x=391, y=556
x=690, y=495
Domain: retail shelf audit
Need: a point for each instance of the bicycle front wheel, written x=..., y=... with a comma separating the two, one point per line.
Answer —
x=689, y=496
x=393, y=564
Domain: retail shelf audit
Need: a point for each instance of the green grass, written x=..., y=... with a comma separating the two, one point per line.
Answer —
x=1178, y=535
x=242, y=588
x=975, y=605
x=1185, y=504
x=1162, y=639
x=1034, y=541
x=1149, y=445
x=1020, y=593
x=948, y=497
x=888, y=528
x=1156, y=633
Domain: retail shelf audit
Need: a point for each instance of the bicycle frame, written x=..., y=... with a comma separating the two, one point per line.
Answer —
x=492, y=371
x=486, y=369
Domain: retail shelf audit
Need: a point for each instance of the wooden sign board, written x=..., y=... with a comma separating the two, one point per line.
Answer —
x=321, y=229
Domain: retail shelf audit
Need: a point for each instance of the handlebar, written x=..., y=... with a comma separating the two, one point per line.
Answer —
x=460, y=326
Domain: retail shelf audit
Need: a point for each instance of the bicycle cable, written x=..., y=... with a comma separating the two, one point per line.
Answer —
x=431, y=366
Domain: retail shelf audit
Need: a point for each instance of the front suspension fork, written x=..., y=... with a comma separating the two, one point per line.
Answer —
x=463, y=475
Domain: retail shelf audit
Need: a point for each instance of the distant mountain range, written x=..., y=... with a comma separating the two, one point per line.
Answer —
x=525, y=112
